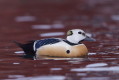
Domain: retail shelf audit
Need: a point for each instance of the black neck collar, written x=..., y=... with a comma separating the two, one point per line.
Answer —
x=70, y=43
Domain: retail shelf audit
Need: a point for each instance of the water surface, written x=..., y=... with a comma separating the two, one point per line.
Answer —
x=24, y=20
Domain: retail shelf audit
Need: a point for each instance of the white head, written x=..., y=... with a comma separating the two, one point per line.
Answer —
x=77, y=35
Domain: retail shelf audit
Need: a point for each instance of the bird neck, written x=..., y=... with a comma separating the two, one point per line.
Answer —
x=72, y=40
x=70, y=43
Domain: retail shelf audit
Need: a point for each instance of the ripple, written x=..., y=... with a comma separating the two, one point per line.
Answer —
x=16, y=63
x=81, y=74
x=25, y=18
x=41, y=26
x=116, y=53
x=114, y=68
x=41, y=78
x=52, y=34
x=58, y=26
x=96, y=78
x=115, y=17
x=56, y=69
x=97, y=65
x=19, y=52
x=46, y=27
x=16, y=76
x=91, y=53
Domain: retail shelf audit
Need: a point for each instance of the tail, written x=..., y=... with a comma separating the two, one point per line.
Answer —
x=27, y=48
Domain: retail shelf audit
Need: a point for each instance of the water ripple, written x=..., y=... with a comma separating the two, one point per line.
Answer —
x=97, y=65
x=52, y=34
x=114, y=68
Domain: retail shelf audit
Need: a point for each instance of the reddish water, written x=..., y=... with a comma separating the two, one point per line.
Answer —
x=24, y=20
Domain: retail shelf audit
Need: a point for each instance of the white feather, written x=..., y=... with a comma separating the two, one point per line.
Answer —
x=75, y=37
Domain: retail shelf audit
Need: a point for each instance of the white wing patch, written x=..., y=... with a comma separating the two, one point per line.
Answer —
x=34, y=48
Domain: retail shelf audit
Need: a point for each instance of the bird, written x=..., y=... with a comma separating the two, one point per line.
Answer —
x=71, y=47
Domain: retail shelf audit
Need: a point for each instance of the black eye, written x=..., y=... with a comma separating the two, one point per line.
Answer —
x=79, y=32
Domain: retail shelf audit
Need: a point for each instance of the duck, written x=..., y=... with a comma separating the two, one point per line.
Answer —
x=71, y=47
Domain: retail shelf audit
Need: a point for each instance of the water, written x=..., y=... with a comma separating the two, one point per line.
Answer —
x=51, y=34
x=33, y=20
x=47, y=27
x=40, y=78
x=25, y=18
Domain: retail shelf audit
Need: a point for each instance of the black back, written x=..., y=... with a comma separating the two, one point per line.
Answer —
x=43, y=42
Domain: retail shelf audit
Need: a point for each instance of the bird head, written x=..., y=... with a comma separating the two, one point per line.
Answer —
x=78, y=35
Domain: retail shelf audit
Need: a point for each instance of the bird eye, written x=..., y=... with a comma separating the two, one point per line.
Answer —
x=79, y=32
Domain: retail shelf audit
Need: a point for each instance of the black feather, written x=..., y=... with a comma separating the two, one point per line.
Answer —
x=72, y=44
x=40, y=43
x=27, y=48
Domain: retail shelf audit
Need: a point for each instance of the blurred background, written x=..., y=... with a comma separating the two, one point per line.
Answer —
x=24, y=20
